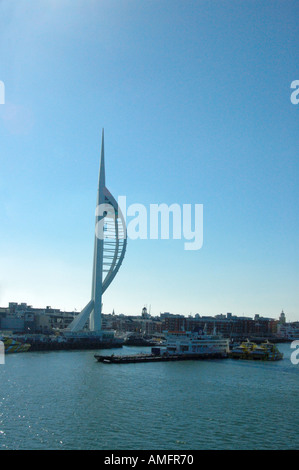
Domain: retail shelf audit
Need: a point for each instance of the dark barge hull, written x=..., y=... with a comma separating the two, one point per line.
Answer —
x=138, y=358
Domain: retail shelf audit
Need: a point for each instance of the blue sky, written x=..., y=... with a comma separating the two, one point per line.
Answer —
x=194, y=97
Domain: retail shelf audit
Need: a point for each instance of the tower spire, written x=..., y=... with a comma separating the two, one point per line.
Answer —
x=101, y=185
x=97, y=276
x=109, y=251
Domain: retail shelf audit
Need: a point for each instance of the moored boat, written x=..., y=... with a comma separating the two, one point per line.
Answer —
x=13, y=346
x=251, y=351
x=179, y=346
x=196, y=342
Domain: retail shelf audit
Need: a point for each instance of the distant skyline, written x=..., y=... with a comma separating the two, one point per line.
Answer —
x=194, y=97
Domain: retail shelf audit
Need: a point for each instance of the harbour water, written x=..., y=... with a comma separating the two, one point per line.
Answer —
x=67, y=400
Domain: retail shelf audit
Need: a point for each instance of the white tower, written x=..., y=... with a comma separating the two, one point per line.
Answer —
x=109, y=250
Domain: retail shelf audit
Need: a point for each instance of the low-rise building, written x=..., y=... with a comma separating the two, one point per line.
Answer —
x=23, y=318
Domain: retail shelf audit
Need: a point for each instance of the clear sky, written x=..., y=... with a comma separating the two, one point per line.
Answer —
x=194, y=97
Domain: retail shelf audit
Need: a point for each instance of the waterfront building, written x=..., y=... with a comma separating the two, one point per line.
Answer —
x=288, y=331
x=23, y=318
x=145, y=314
x=282, y=318
x=230, y=326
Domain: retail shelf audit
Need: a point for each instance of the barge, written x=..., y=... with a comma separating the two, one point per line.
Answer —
x=138, y=358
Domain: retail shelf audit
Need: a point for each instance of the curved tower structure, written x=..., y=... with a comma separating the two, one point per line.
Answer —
x=109, y=250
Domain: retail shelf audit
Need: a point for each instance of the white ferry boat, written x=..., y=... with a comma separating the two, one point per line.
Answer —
x=196, y=343
x=178, y=346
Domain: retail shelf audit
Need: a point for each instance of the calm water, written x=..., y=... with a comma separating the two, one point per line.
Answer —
x=66, y=400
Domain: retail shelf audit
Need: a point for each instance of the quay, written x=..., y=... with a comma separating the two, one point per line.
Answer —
x=71, y=345
x=60, y=343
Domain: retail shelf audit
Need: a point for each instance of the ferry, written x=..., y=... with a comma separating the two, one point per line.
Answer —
x=251, y=351
x=179, y=346
x=196, y=342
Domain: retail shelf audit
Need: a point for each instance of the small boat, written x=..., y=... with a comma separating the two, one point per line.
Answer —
x=242, y=350
x=270, y=350
x=13, y=346
x=251, y=351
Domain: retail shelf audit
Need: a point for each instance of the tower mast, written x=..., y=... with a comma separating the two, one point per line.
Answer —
x=109, y=251
x=97, y=276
